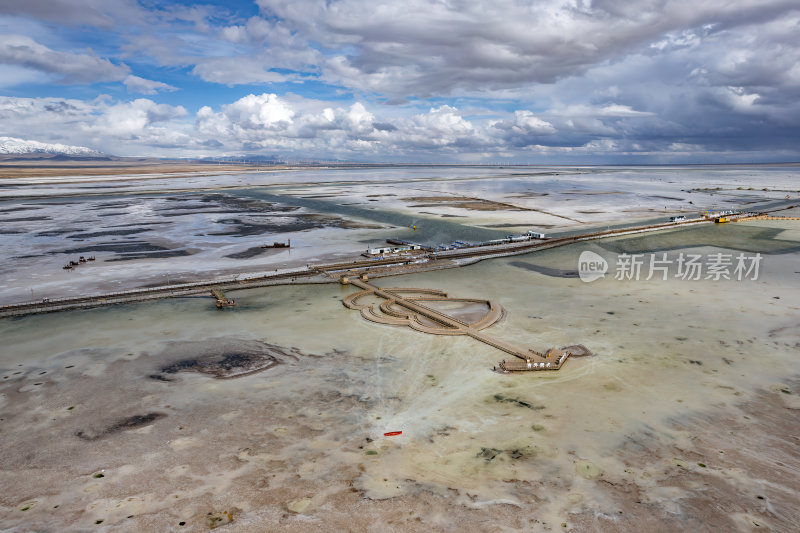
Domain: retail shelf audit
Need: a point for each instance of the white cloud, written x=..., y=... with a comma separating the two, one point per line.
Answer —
x=133, y=120
x=262, y=112
x=23, y=51
x=439, y=127
x=610, y=110
x=236, y=71
x=135, y=84
x=122, y=128
x=234, y=34
x=525, y=123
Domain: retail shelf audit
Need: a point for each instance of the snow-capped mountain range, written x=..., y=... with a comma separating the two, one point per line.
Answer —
x=14, y=146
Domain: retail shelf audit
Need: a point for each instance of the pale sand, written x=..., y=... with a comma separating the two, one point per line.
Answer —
x=45, y=168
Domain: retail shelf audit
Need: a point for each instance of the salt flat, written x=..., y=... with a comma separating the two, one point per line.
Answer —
x=691, y=398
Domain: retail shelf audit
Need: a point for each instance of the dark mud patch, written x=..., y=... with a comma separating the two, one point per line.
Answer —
x=230, y=365
x=499, y=398
x=463, y=202
x=117, y=232
x=197, y=211
x=56, y=232
x=657, y=197
x=295, y=223
x=255, y=251
x=25, y=219
x=220, y=203
x=352, y=224
x=242, y=228
x=490, y=454
x=14, y=209
x=237, y=203
x=547, y=271
x=138, y=224
x=107, y=205
x=153, y=255
x=545, y=226
x=221, y=358
x=131, y=422
x=530, y=195
x=123, y=247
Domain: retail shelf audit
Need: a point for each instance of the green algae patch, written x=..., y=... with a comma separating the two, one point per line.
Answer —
x=588, y=470
x=27, y=506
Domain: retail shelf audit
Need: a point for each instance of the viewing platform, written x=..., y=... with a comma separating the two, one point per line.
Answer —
x=222, y=301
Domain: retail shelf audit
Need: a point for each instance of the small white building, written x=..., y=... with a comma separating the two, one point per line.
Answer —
x=392, y=249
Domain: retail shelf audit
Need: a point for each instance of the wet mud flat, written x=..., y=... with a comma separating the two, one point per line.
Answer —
x=164, y=425
x=754, y=440
x=177, y=452
x=164, y=436
x=117, y=419
x=173, y=226
x=103, y=409
x=477, y=204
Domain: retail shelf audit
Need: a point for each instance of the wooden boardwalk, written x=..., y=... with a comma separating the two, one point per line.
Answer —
x=410, y=312
x=222, y=300
x=764, y=217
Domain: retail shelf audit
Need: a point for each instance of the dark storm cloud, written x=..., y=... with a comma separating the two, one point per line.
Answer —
x=545, y=79
x=429, y=47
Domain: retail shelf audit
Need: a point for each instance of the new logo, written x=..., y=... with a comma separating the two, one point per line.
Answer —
x=591, y=266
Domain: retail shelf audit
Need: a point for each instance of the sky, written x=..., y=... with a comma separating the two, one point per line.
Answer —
x=439, y=81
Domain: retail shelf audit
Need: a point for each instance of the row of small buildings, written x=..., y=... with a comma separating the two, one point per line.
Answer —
x=400, y=248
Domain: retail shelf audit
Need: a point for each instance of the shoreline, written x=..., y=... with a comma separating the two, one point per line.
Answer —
x=319, y=272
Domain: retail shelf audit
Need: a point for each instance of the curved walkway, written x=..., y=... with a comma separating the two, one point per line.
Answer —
x=403, y=307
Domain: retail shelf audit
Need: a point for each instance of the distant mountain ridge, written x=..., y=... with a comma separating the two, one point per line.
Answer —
x=14, y=146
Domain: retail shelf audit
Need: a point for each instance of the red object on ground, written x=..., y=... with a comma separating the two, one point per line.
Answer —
x=392, y=433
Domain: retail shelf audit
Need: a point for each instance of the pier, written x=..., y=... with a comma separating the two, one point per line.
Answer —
x=331, y=272
x=764, y=217
x=405, y=307
x=222, y=301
